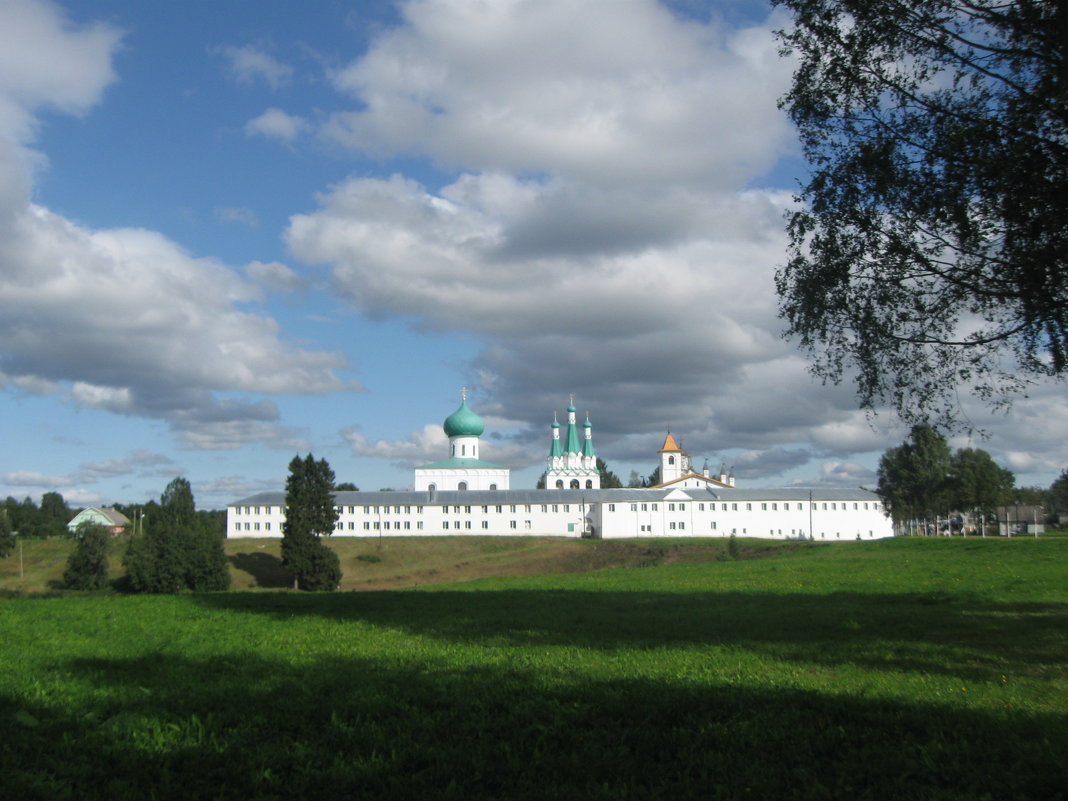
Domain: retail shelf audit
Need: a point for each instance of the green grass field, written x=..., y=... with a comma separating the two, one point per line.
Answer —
x=903, y=669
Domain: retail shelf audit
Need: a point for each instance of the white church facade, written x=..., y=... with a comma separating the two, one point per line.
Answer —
x=463, y=495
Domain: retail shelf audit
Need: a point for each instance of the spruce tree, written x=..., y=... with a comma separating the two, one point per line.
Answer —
x=310, y=515
x=87, y=567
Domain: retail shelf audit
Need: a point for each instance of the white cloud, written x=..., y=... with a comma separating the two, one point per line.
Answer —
x=248, y=64
x=608, y=91
x=277, y=124
x=129, y=320
x=29, y=478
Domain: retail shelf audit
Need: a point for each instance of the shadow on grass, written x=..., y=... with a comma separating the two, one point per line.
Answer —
x=920, y=632
x=265, y=568
x=170, y=727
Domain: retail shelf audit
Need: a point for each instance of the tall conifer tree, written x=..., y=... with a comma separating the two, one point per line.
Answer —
x=310, y=515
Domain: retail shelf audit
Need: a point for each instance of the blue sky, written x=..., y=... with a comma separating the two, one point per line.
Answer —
x=233, y=231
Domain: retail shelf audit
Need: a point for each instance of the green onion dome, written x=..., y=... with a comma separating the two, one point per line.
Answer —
x=464, y=423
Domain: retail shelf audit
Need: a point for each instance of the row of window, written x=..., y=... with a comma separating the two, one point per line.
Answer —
x=634, y=507
x=733, y=507
x=498, y=508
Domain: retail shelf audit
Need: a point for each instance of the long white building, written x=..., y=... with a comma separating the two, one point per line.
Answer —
x=464, y=495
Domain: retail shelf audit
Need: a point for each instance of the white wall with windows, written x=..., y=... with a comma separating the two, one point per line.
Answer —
x=772, y=513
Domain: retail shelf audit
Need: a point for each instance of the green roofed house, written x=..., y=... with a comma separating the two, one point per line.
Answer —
x=111, y=519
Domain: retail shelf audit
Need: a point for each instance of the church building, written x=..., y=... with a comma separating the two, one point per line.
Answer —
x=572, y=465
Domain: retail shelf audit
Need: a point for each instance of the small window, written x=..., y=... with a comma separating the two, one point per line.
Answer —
x=463, y=486
x=611, y=507
x=493, y=487
x=512, y=524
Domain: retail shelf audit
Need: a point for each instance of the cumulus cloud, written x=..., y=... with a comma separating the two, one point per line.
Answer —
x=125, y=318
x=276, y=124
x=609, y=92
x=249, y=65
x=600, y=235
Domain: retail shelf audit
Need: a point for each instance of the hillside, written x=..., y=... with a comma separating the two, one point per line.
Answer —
x=400, y=562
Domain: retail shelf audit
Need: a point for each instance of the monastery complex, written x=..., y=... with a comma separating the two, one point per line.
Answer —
x=463, y=494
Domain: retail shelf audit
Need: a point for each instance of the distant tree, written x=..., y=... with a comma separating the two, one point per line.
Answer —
x=541, y=482
x=930, y=250
x=1057, y=496
x=310, y=515
x=87, y=566
x=347, y=486
x=7, y=536
x=977, y=484
x=913, y=478
x=609, y=480
x=635, y=480
x=23, y=517
x=1030, y=496
x=653, y=478
x=178, y=551
x=53, y=515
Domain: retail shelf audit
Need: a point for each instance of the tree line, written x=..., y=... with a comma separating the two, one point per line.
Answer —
x=922, y=481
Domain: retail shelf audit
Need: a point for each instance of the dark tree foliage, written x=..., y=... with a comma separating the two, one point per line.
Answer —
x=310, y=515
x=609, y=480
x=913, y=477
x=347, y=486
x=7, y=535
x=87, y=567
x=922, y=480
x=48, y=520
x=977, y=484
x=179, y=550
x=930, y=252
x=1057, y=497
x=53, y=516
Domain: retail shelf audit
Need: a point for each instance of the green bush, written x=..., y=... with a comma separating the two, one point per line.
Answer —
x=87, y=567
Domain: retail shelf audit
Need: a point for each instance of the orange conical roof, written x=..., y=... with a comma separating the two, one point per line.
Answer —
x=670, y=444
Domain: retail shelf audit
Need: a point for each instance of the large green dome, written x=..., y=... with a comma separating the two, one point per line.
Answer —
x=464, y=423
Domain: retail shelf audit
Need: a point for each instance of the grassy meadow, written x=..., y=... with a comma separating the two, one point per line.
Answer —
x=902, y=669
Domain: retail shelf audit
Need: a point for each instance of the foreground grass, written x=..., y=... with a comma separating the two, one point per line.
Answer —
x=909, y=669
